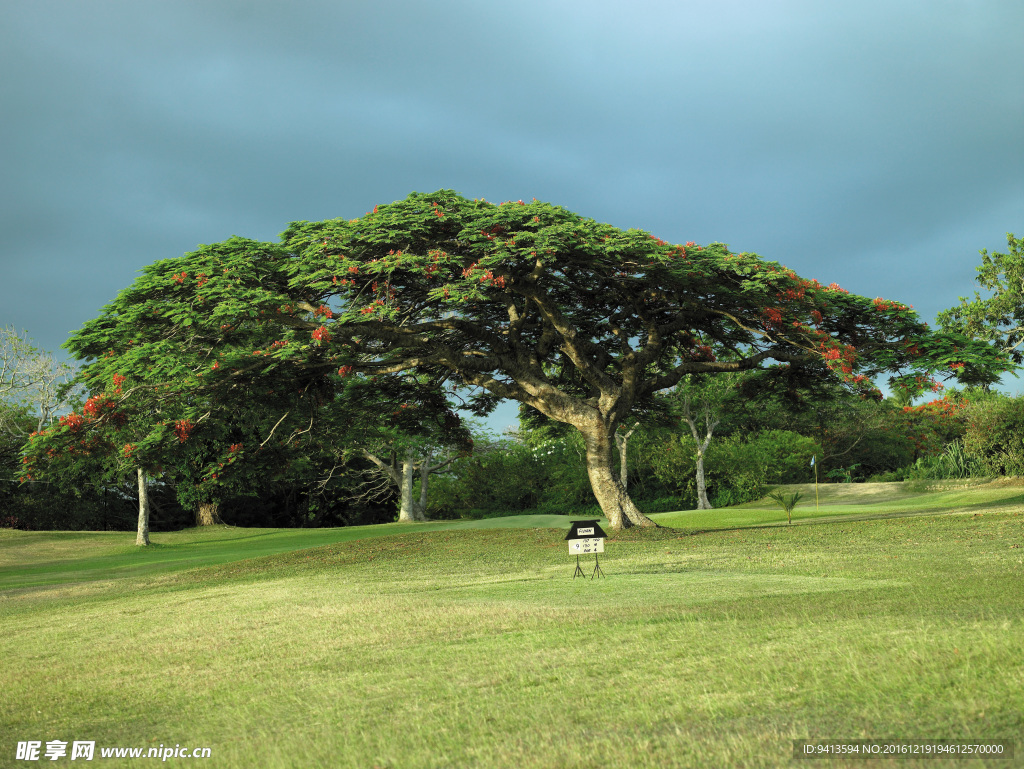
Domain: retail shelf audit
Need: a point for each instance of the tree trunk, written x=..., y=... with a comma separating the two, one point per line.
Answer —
x=702, y=489
x=702, y=446
x=410, y=510
x=622, y=441
x=142, y=538
x=207, y=514
x=425, y=469
x=611, y=495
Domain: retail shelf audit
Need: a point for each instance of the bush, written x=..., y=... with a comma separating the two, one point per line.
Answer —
x=666, y=504
x=995, y=435
x=891, y=476
x=954, y=462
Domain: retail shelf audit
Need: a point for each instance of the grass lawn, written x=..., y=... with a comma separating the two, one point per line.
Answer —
x=468, y=644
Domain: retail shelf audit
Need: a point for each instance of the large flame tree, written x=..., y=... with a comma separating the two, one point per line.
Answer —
x=582, y=321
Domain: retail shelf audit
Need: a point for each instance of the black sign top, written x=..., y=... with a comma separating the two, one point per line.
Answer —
x=585, y=530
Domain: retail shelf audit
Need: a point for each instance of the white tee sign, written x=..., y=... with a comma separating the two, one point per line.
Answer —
x=586, y=538
x=586, y=546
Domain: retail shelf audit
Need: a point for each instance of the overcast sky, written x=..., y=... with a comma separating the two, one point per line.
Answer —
x=879, y=145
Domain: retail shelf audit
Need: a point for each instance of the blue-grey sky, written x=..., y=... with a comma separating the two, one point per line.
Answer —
x=877, y=144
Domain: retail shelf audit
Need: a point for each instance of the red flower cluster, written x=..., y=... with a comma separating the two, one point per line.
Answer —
x=772, y=317
x=838, y=357
x=323, y=310
x=202, y=279
x=883, y=305
x=180, y=278
x=118, y=381
x=74, y=422
x=345, y=371
x=128, y=449
x=792, y=294
x=235, y=447
x=940, y=407
x=96, y=405
x=494, y=281
x=322, y=334
x=183, y=429
x=702, y=352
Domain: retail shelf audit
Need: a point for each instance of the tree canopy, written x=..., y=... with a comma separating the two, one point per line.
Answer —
x=999, y=318
x=582, y=321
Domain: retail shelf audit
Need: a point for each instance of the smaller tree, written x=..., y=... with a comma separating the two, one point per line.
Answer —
x=103, y=441
x=702, y=402
x=999, y=319
x=787, y=502
x=32, y=379
x=400, y=469
x=406, y=426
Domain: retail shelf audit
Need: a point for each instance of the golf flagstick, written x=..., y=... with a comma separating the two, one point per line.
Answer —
x=815, y=466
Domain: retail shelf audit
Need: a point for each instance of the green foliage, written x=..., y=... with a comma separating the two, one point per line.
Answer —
x=741, y=467
x=548, y=477
x=998, y=319
x=995, y=435
x=738, y=468
x=955, y=461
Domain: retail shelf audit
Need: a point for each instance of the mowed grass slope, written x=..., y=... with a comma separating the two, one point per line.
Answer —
x=474, y=647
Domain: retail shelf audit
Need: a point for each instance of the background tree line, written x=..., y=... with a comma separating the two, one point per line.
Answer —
x=761, y=438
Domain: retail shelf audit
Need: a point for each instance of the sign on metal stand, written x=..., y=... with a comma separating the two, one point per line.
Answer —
x=586, y=537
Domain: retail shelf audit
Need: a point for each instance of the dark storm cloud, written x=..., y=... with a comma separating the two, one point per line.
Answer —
x=876, y=144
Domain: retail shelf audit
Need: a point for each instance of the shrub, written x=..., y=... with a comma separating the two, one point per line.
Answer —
x=666, y=504
x=995, y=435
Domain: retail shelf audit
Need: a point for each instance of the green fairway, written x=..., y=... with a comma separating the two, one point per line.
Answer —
x=41, y=558
x=469, y=644
x=858, y=500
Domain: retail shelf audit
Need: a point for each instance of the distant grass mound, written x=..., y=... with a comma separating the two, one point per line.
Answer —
x=859, y=501
x=468, y=644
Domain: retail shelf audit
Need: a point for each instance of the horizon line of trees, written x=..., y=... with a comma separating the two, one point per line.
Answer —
x=760, y=439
